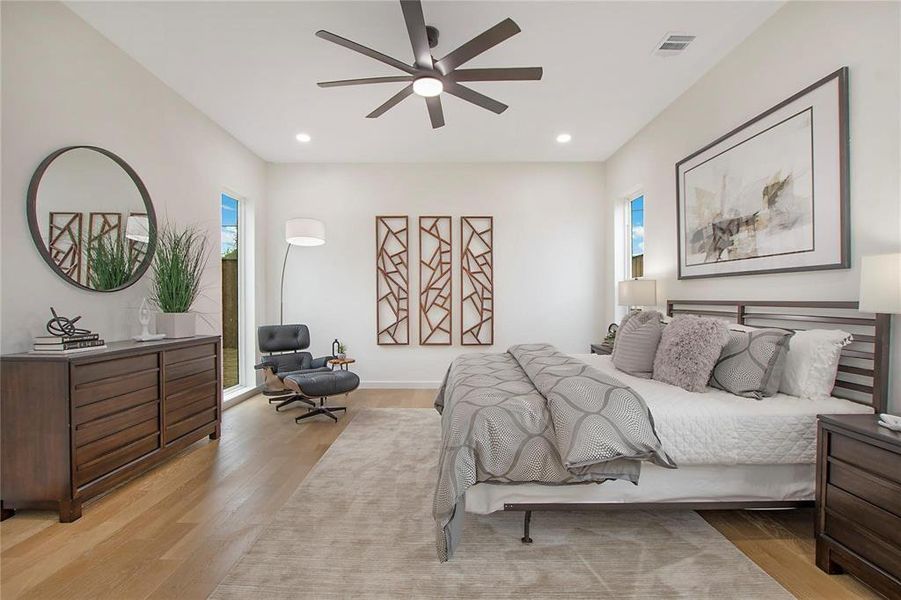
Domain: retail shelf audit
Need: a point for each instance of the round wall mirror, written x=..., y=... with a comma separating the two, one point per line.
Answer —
x=91, y=218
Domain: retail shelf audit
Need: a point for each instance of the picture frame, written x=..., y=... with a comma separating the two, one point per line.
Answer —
x=772, y=195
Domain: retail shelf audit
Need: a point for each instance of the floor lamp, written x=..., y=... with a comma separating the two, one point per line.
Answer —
x=299, y=232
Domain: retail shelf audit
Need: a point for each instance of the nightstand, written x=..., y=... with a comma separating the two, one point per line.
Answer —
x=601, y=348
x=858, y=526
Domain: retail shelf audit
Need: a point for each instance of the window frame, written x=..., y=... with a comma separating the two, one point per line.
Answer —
x=246, y=295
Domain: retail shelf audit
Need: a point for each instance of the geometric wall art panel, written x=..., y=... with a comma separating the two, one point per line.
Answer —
x=435, y=290
x=477, y=281
x=64, y=242
x=392, y=281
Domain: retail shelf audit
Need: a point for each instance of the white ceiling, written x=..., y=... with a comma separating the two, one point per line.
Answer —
x=253, y=66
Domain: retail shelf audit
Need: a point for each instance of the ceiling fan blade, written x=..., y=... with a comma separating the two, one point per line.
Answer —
x=392, y=102
x=500, y=74
x=337, y=39
x=344, y=82
x=419, y=39
x=435, y=113
x=480, y=43
x=470, y=95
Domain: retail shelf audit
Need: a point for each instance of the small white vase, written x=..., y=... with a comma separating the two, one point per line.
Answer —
x=177, y=325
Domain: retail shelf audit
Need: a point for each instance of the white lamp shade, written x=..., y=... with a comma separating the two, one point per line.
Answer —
x=305, y=232
x=880, y=284
x=137, y=228
x=637, y=292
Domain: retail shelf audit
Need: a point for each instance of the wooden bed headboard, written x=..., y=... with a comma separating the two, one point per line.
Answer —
x=863, y=373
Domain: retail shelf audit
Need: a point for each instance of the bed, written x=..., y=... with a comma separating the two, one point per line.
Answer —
x=731, y=452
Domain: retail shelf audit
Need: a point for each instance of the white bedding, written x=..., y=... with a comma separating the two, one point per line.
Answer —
x=718, y=428
x=712, y=483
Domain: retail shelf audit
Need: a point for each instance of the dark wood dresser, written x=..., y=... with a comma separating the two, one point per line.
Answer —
x=858, y=528
x=76, y=426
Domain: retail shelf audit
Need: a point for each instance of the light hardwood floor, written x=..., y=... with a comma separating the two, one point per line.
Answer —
x=176, y=531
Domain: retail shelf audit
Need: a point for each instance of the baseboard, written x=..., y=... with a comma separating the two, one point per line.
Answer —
x=401, y=385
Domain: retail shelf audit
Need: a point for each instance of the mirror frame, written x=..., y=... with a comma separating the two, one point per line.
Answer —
x=31, y=208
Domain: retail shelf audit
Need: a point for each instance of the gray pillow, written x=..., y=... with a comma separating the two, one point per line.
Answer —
x=636, y=343
x=752, y=363
x=688, y=350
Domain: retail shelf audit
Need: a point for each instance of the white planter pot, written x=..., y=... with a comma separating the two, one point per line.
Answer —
x=177, y=325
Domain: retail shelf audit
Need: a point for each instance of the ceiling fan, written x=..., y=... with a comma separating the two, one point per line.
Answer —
x=429, y=77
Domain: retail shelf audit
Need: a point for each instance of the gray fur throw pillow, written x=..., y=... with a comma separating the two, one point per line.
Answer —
x=636, y=343
x=752, y=363
x=688, y=351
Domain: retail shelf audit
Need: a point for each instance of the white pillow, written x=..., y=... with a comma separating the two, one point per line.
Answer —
x=812, y=363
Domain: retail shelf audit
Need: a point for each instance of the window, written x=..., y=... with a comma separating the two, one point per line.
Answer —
x=636, y=237
x=231, y=293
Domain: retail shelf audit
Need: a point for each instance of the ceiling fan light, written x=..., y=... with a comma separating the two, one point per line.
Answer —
x=427, y=87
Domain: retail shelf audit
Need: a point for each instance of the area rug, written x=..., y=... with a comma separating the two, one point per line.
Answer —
x=360, y=526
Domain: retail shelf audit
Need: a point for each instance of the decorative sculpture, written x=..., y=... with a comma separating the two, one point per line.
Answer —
x=64, y=326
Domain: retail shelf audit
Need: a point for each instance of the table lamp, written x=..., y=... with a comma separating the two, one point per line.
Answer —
x=637, y=292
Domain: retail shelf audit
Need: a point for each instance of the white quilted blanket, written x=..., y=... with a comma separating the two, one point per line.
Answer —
x=718, y=428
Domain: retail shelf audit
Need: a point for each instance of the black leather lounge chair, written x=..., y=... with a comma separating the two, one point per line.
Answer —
x=291, y=375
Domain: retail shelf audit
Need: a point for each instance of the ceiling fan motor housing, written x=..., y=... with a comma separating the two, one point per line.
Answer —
x=432, y=34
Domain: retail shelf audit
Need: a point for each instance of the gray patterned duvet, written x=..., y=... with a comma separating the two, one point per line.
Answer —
x=534, y=414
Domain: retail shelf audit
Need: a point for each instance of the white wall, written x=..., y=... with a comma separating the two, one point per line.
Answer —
x=801, y=43
x=64, y=84
x=547, y=246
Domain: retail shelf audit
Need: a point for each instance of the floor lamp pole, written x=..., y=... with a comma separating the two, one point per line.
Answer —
x=281, y=298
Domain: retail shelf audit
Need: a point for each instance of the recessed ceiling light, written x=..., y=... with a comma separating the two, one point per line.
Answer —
x=303, y=137
x=427, y=87
x=564, y=138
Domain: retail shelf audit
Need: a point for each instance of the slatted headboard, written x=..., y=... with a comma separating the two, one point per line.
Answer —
x=863, y=375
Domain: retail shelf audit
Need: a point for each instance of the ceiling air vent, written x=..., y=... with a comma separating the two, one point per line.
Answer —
x=673, y=44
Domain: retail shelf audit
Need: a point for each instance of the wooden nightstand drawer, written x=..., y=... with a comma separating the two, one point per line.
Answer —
x=858, y=526
x=866, y=456
x=876, y=550
x=881, y=523
x=871, y=488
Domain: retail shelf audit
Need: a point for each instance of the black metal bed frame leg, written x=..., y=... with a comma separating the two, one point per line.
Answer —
x=527, y=521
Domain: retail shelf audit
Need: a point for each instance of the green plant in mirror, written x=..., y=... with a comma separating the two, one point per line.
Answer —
x=110, y=263
x=181, y=256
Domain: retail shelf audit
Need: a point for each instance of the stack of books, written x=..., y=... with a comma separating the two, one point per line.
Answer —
x=51, y=344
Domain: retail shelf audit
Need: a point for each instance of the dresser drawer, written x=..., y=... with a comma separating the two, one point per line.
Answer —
x=109, y=462
x=873, y=489
x=184, y=354
x=185, y=426
x=100, y=428
x=114, y=386
x=86, y=373
x=866, y=456
x=878, y=551
x=92, y=451
x=880, y=522
x=190, y=367
x=110, y=406
x=191, y=381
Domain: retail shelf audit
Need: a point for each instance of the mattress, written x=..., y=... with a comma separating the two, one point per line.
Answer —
x=719, y=428
x=711, y=483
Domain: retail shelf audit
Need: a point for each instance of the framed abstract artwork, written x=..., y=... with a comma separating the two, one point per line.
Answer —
x=772, y=195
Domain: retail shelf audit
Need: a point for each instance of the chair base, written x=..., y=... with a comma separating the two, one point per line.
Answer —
x=293, y=399
x=322, y=409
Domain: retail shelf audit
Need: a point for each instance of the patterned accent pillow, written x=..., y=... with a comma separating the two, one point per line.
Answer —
x=636, y=343
x=688, y=350
x=752, y=363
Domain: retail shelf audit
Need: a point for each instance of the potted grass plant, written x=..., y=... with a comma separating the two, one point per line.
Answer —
x=110, y=264
x=178, y=264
